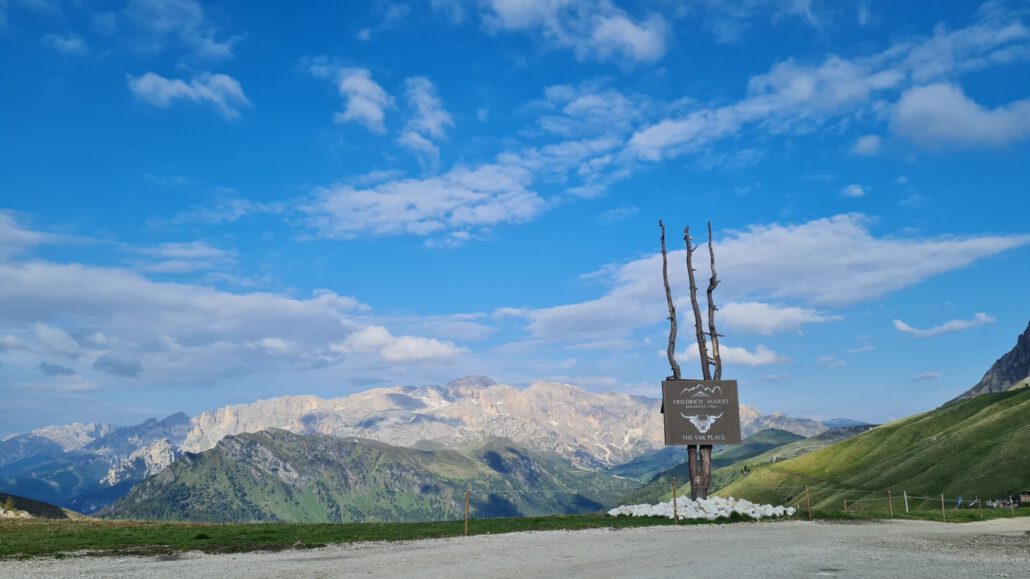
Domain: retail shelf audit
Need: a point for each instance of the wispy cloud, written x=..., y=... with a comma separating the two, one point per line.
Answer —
x=220, y=91
x=979, y=319
x=924, y=376
x=364, y=101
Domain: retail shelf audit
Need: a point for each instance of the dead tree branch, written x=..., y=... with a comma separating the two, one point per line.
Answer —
x=713, y=282
x=702, y=346
x=672, y=310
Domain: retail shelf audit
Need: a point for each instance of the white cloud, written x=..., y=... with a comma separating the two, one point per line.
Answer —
x=979, y=319
x=220, y=91
x=830, y=361
x=159, y=24
x=71, y=43
x=121, y=364
x=460, y=198
x=941, y=115
x=825, y=262
x=16, y=237
x=766, y=319
x=378, y=340
x=184, y=257
x=55, y=340
x=853, y=190
x=794, y=97
x=866, y=145
x=430, y=120
x=593, y=29
x=923, y=376
x=761, y=356
x=730, y=20
x=364, y=101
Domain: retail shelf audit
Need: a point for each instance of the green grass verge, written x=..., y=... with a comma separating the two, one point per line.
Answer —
x=37, y=538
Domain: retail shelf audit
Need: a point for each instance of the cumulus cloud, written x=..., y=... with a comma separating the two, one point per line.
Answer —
x=592, y=29
x=766, y=319
x=378, y=340
x=157, y=25
x=760, y=356
x=364, y=101
x=979, y=319
x=121, y=364
x=866, y=145
x=462, y=197
x=834, y=261
x=853, y=190
x=941, y=115
x=71, y=43
x=220, y=91
x=795, y=97
x=54, y=369
x=429, y=120
x=55, y=340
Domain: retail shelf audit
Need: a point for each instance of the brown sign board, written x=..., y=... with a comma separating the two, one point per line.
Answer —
x=701, y=412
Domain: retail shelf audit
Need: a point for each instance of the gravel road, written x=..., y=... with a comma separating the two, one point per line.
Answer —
x=999, y=548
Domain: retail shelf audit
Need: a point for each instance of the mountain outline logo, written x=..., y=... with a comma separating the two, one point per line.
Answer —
x=701, y=391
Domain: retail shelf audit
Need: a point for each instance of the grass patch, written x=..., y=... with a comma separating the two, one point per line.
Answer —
x=37, y=538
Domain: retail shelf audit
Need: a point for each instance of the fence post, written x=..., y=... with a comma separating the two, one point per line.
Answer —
x=467, y=492
x=979, y=507
x=845, y=505
x=675, y=508
x=808, y=501
x=890, y=502
x=1012, y=506
x=905, y=493
x=944, y=517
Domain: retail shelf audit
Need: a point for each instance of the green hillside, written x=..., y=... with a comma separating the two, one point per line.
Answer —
x=34, y=509
x=977, y=447
x=275, y=475
x=659, y=488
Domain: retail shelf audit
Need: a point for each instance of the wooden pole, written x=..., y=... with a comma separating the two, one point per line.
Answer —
x=1012, y=506
x=979, y=507
x=675, y=508
x=944, y=517
x=467, y=493
x=845, y=505
x=890, y=502
x=808, y=501
x=905, y=493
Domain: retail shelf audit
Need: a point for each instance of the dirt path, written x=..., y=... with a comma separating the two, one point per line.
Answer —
x=999, y=548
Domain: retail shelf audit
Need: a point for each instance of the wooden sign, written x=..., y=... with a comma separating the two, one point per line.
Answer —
x=701, y=412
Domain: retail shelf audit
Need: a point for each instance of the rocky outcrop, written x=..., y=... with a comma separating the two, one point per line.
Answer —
x=1010, y=371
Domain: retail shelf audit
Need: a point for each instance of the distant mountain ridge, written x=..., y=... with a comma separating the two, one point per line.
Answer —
x=1010, y=371
x=275, y=475
x=85, y=467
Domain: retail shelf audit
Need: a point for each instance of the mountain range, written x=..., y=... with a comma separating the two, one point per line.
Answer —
x=85, y=467
x=1009, y=372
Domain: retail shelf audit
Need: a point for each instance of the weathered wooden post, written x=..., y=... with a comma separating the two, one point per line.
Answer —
x=905, y=494
x=944, y=517
x=890, y=502
x=808, y=502
x=845, y=505
x=675, y=508
x=698, y=413
x=467, y=493
x=979, y=507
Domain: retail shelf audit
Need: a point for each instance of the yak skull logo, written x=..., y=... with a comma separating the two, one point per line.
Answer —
x=702, y=422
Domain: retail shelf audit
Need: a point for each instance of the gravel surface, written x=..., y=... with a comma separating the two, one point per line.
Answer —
x=999, y=548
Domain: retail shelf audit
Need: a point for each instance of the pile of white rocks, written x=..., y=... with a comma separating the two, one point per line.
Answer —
x=709, y=509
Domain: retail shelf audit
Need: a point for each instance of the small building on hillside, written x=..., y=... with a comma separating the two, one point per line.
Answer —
x=1024, y=498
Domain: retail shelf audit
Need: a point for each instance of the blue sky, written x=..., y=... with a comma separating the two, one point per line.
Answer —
x=207, y=203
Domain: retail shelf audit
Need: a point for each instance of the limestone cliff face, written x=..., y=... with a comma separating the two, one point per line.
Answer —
x=592, y=430
x=1010, y=371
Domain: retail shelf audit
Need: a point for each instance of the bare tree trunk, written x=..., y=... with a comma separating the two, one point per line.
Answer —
x=672, y=312
x=705, y=476
x=702, y=347
x=695, y=482
x=713, y=282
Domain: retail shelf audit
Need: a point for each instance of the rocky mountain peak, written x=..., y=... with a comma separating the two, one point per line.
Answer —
x=1010, y=371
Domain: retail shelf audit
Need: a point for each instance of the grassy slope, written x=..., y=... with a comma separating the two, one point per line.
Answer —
x=975, y=447
x=39, y=510
x=279, y=476
x=659, y=488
